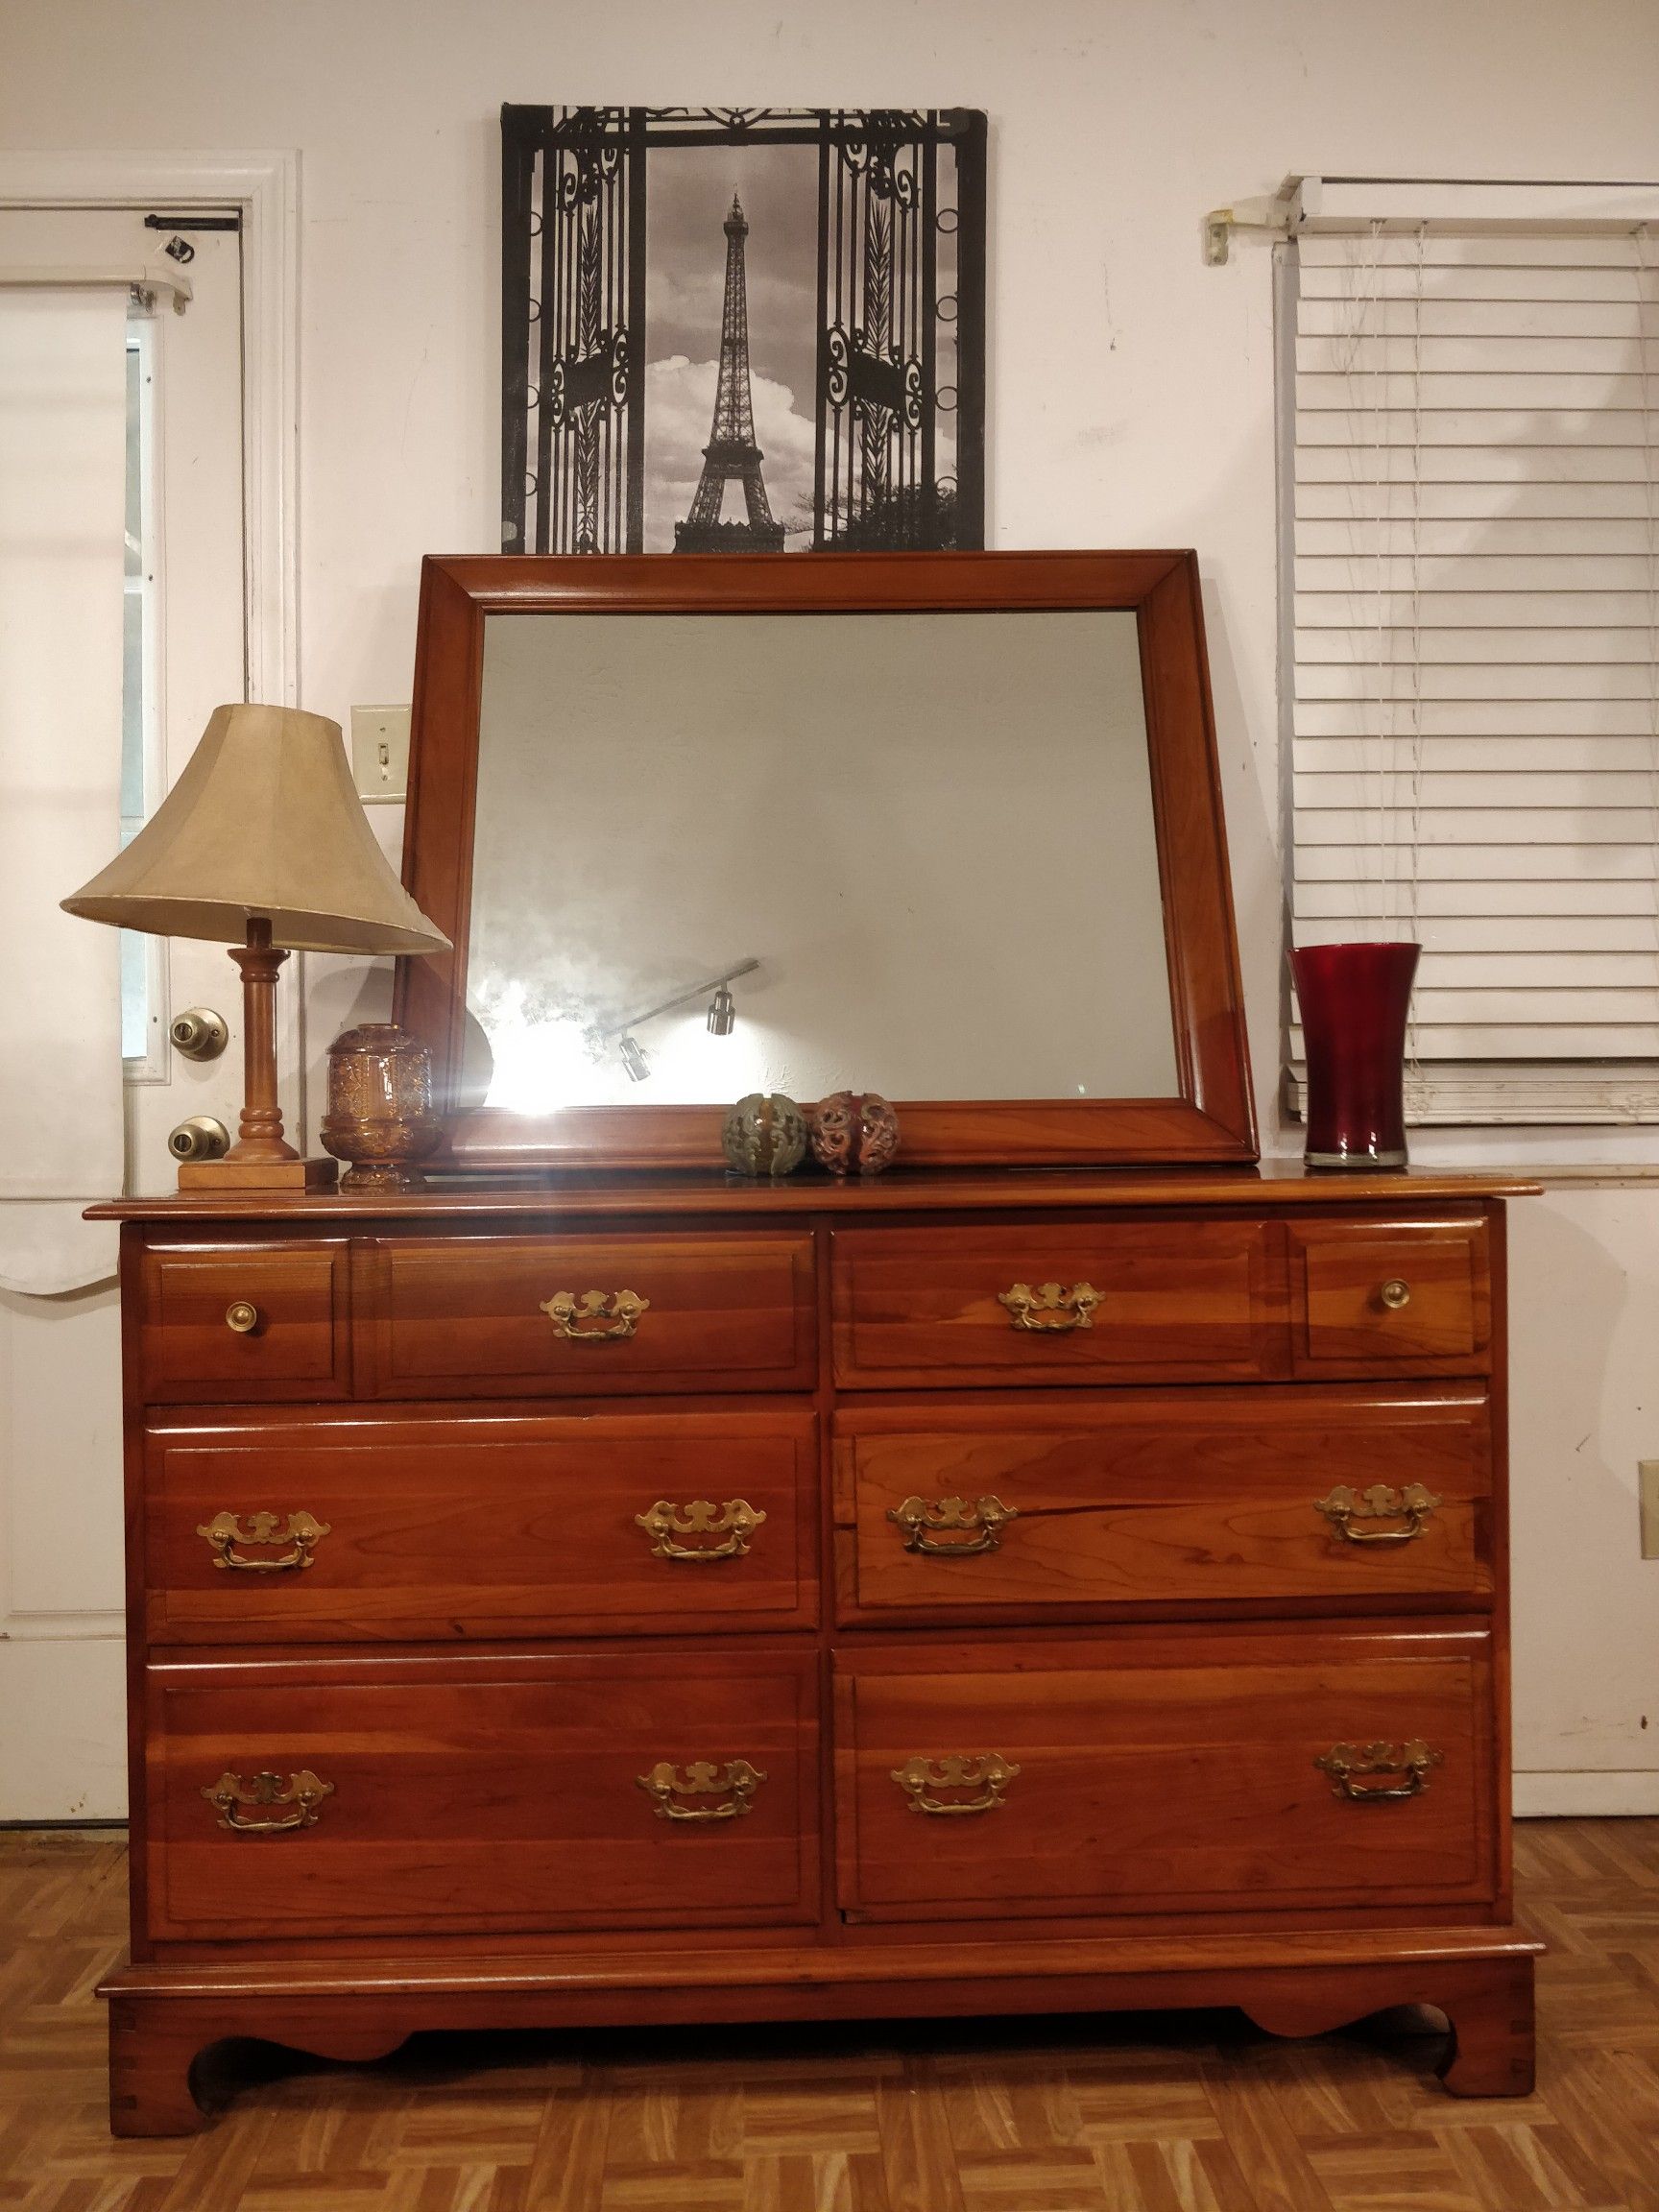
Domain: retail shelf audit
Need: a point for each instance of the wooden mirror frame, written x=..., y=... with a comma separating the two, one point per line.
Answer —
x=1210, y=1121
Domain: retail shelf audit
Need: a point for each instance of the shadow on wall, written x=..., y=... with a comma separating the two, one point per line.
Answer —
x=1584, y=1326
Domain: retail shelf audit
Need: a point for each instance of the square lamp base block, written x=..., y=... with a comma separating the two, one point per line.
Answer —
x=295, y=1175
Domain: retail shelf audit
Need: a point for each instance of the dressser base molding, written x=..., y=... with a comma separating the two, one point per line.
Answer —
x=163, y=2018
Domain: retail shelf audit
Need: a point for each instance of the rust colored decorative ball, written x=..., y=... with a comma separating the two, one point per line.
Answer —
x=855, y=1133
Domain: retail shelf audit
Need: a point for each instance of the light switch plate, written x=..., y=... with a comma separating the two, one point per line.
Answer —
x=1648, y=1475
x=380, y=751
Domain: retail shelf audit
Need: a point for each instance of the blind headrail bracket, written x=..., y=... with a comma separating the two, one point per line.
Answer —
x=142, y=282
x=1273, y=215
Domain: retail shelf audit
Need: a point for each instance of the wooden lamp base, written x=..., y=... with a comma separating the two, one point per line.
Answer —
x=230, y=1174
x=261, y=1158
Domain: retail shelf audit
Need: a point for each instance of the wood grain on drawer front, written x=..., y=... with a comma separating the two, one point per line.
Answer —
x=1168, y=1772
x=1180, y=1300
x=490, y=1792
x=471, y=1525
x=1142, y=1498
x=1377, y=1299
x=465, y=1317
x=299, y=1345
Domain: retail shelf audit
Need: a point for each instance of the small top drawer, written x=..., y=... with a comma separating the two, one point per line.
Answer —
x=467, y=1318
x=246, y=1320
x=1372, y=1298
x=1078, y=1303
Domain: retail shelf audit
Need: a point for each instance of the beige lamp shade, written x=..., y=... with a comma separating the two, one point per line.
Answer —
x=264, y=823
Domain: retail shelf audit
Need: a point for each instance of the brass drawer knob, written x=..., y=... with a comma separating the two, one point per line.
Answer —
x=1394, y=1294
x=986, y=1774
x=1049, y=1310
x=297, y=1530
x=665, y=1522
x=734, y=1784
x=242, y=1317
x=1379, y=1773
x=1344, y=1506
x=301, y=1795
x=594, y=1316
x=952, y=1528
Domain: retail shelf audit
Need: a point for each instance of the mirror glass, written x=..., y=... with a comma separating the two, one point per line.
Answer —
x=916, y=850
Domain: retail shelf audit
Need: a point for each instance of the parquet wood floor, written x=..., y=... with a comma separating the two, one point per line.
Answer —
x=1144, y=2114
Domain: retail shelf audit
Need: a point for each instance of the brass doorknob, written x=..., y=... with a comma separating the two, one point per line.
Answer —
x=1394, y=1294
x=242, y=1317
x=199, y=1033
x=201, y=1138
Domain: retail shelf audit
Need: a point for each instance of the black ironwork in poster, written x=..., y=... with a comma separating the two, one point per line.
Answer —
x=742, y=328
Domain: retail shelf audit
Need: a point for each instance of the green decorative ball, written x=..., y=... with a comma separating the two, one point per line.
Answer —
x=764, y=1134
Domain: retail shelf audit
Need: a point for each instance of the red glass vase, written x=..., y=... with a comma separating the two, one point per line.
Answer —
x=1354, y=1000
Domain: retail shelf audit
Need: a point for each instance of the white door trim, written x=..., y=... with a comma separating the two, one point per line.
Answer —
x=265, y=190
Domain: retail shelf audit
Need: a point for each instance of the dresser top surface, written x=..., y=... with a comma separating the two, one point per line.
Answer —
x=915, y=1190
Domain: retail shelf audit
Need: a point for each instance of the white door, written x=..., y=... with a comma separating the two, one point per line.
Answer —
x=62, y=1689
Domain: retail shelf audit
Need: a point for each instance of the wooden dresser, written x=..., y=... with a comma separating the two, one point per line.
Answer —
x=672, y=1600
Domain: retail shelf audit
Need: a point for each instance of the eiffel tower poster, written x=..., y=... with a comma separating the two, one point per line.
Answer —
x=731, y=457
x=742, y=329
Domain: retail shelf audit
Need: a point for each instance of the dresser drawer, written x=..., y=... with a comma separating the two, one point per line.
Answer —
x=430, y=1528
x=246, y=1320
x=979, y=1508
x=1146, y=1773
x=426, y=1796
x=1409, y=1298
x=1092, y=1302
x=467, y=1318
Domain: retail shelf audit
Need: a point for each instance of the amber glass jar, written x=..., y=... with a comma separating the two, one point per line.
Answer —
x=380, y=1119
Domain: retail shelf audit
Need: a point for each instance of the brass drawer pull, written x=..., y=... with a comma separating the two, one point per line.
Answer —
x=242, y=1317
x=1353, y=1766
x=736, y=1783
x=988, y=1774
x=738, y=1521
x=929, y=1529
x=1344, y=1507
x=595, y=1316
x=1394, y=1294
x=303, y=1791
x=299, y=1532
x=1049, y=1310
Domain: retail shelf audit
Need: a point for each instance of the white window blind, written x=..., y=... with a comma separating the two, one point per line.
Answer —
x=1474, y=648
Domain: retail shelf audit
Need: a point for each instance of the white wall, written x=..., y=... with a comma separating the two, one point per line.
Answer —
x=1131, y=402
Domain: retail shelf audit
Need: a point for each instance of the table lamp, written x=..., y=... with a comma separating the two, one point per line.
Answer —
x=262, y=845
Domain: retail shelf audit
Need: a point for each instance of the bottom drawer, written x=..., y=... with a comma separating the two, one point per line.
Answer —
x=330, y=1797
x=1146, y=1773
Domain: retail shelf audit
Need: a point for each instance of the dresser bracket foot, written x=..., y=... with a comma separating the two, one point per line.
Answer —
x=1491, y=2053
x=153, y=2055
x=162, y=2080
x=1487, y=2003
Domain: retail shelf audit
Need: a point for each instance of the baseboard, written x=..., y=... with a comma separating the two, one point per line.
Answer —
x=1564, y=1797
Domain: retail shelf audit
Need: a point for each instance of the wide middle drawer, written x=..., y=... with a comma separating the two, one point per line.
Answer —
x=468, y=1318
x=470, y=1793
x=1053, y=1303
x=423, y=1527
x=974, y=1508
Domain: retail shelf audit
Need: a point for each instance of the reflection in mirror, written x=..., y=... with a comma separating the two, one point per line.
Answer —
x=907, y=853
